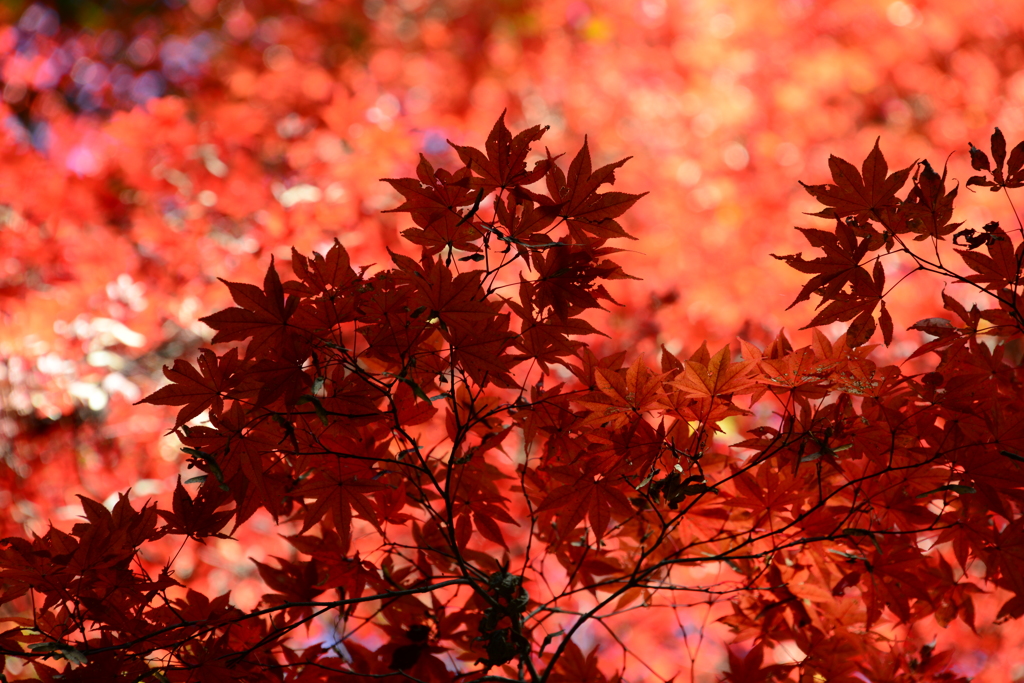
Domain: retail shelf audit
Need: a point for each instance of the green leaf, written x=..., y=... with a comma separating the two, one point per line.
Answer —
x=863, y=532
x=45, y=647
x=1012, y=456
x=416, y=389
x=209, y=460
x=956, y=488
x=318, y=407
x=60, y=650
x=848, y=556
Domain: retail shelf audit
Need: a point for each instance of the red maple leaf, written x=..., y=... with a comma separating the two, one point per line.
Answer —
x=1014, y=176
x=330, y=274
x=930, y=204
x=456, y=303
x=504, y=165
x=522, y=220
x=435, y=200
x=481, y=351
x=590, y=495
x=866, y=193
x=340, y=492
x=261, y=315
x=622, y=397
x=858, y=305
x=719, y=376
x=587, y=212
x=196, y=518
x=1002, y=265
x=839, y=266
x=546, y=340
x=293, y=582
x=198, y=390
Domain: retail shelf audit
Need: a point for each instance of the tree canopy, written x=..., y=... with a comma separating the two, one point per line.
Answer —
x=451, y=433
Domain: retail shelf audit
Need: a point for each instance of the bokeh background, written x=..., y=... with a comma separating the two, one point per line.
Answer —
x=149, y=148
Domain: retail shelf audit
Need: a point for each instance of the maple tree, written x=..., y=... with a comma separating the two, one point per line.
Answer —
x=454, y=514
x=151, y=147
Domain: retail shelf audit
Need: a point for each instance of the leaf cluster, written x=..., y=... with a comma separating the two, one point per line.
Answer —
x=470, y=481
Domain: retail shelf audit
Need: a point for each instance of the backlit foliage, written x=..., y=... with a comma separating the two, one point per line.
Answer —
x=149, y=152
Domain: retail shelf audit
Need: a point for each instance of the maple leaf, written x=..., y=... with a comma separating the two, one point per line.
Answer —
x=240, y=457
x=488, y=528
x=294, y=582
x=408, y=410
x=434, y=201
x=458, y=303
x=936, y=327
x=750, y=667
x=839, y=266
x=547, y=340
x=332, y=551
x=768, y=491
x=566, y=280
x=522, y=220
x=1001, y=267
x=621, y=398
x=1014, y=176
x=319, y=315
x=277, y=377
x=587, y=371
x=349, y=395
x=196, y=518
x=341, y=493
x=801, y=372
x=893, y=580
x=261, y=315
x=929, y=204
x=719, y=376
x=574, y=667
x=481, y=351
x=867, y=192
x=196, y=607
x=329, y=275
x=859, y=305
x=592, y=496
x=108, y=538
x=198, y=390
x=504, y=164
x=576, y=199
x=393, y=321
